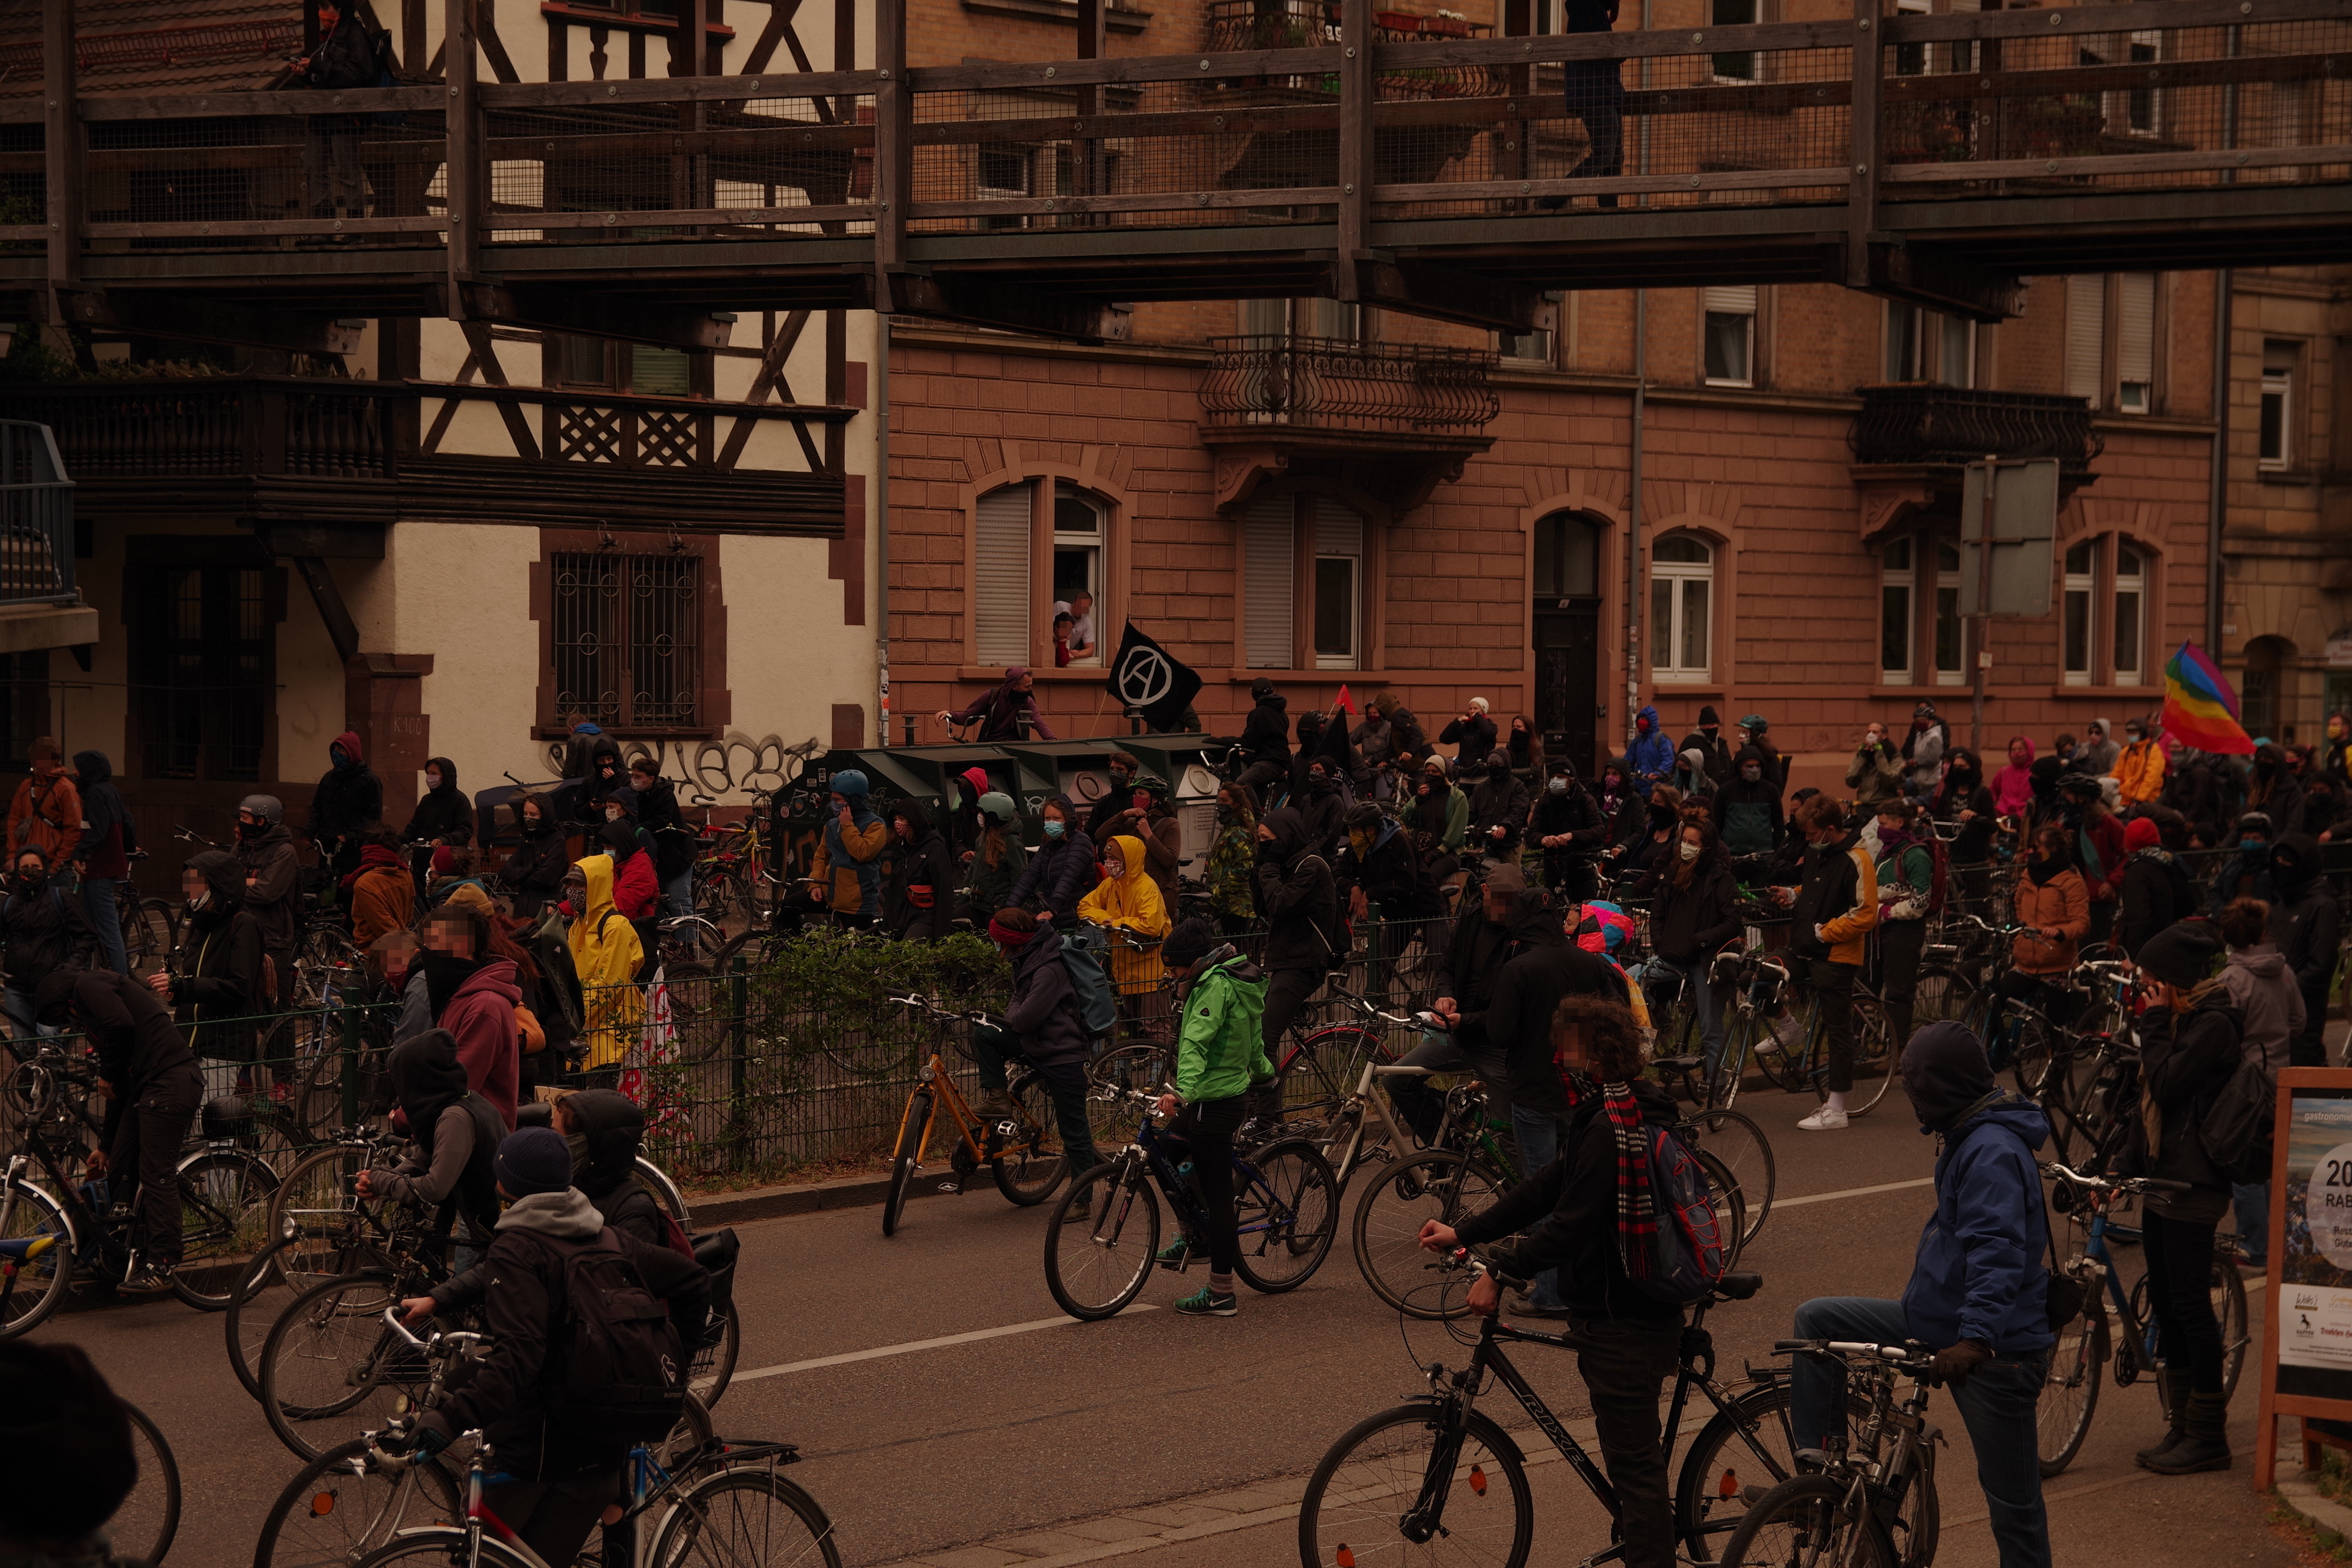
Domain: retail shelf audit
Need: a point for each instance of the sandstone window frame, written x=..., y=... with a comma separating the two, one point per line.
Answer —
x=1730, y=322
x=1682, y=602
x=2110, y=593
x=1898, y=609
x=712, y=699
x=1283, y=554
x=1009, y=563
x=2274, y=442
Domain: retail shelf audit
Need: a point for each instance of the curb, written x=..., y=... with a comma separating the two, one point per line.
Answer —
x=811, y=1197
x=2320, y=1512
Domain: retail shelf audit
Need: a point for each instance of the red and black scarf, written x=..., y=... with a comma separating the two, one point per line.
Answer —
x=1637, y=1209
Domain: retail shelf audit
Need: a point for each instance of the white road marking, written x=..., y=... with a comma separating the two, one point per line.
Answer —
x=1779, y=1204
x=878, y=1351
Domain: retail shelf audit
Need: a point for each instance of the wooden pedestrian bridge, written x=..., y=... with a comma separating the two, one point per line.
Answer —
x=1305, y=148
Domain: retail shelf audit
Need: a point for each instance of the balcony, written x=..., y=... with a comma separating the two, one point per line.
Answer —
x=40, y=607
x=322, y=467
x=1385, y=416
x=1914, y=426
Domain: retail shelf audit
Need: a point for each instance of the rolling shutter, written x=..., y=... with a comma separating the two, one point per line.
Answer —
x=1269, y=534
x=2136, y=327
x=1739, y=300
x=1000, y=590
x=2086, y=334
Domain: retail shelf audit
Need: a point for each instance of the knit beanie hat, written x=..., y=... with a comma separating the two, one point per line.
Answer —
x=2181, y=953
x=534, y=1160
x=1188, y=943
x=2142, y=833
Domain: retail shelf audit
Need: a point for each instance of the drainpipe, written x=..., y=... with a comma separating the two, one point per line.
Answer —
x=881, y=380
x=1634, y=520
x=2217, y=504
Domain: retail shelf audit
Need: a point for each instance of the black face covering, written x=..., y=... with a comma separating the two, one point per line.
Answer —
x=1946, y=1076
x=444, y=974
x=250, y=829
x=32, y=881
x=1661, y=814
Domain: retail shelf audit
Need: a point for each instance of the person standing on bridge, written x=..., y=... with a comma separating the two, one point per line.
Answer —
x=1596, y=96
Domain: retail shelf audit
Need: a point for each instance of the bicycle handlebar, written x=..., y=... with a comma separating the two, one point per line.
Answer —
x=2114, y=1184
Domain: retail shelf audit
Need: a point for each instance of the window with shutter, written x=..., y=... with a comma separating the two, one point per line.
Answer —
x=1339, y=587
x=1269, y=542
x=659, y=372
x=2136, y=341
x=1000, y=589
x=1729, y=315
x=2086, y=335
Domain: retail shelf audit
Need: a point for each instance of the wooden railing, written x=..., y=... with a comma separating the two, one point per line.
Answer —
x=37, y=513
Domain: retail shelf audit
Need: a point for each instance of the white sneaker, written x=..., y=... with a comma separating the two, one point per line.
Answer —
x=1828, y=1118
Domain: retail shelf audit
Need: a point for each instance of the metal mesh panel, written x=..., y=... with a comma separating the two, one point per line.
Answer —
x=259, y=169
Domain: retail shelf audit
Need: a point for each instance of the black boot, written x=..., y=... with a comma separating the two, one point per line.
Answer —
x=2206, y=1443
x=2172, y=1388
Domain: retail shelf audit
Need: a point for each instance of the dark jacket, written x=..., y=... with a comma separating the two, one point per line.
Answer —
x=44, y=932
x=2306, y=922
x=582, y=799
x=1830, y=891
x=1477, y=950
x=345, y=57
x=1390, y=876
x=1044, y=1008
x=1499, y=800
x=1748, y=815
x=1322, y=815
x=1687, y=925
x=455, y=1133
x=535, y=870
x=216, y=973
x=1717, y=752
x=1572, y=813
x=614, y=1128
x=271, y=859
x=1265, y=734
x=348, y=800
x=1297, y=896
x=137, y=1043
x=1060, y=872
x=1565, y=1217
x=1981, y=1273
x=1519, y=1014
x=2185, y=1059
x=917, y=887
x=1475, y=736
x=443, y=816
x=662, y=822
x=2157, y=892
x=107, y=836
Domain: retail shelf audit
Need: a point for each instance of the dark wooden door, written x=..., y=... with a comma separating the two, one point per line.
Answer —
x=1568, y=679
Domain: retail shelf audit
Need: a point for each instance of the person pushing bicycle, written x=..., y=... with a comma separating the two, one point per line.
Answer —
x=1220, y=1052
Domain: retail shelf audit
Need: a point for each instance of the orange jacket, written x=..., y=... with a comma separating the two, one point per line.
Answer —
x=2063, y=905
x=2139, y=771
x=48, y=817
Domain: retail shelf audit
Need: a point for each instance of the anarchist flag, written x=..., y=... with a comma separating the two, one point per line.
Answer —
x=1151, y=681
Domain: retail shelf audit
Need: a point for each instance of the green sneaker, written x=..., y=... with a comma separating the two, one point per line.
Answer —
x=1172, y=1256
x=1206, y=1303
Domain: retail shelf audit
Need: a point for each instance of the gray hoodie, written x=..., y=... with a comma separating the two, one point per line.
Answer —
x=567, y=1216
x=2259, y=985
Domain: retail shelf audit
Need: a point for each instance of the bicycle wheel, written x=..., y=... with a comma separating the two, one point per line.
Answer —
x=36, y=1241
x=1776, y=1046
x=150, y=931
x=144, y=1525
x=1747, y=1153
x=1285, y=1211
x=2070, y=1395
x=746, y=1515
x=286, y=1268
x=342, y=1505
x=1100, y=1243
x=912, y=1127
x=330, y=1368
x=1803, y=1520
x=1941, y=997
x=1110, y=1115
x=1324, y=1068
x=1876, y=1051
x=714, y=1362
x=1386, y=1232
x=1366, y=1501
x=1730, y=1206
x=1749, y=1447
x=225, y=1197
x=443, y=1549
x=1030, y=1166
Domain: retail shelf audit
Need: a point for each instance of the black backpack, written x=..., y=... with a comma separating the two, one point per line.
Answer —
x=618, y=1367
x=2237, y=1127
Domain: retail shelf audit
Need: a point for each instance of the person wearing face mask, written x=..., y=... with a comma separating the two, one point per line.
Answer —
x=587, y=797
x=1150, y=820
x=1321, y=806
x=2012, y=786
x=993, y=869
x=2246, y=874
x=1382, y=881
x=1043, y=1026
x=1526, y=754
x=2271, y=790
x=1621, y=802
x=1498, y=811
x=1654, y=849
x=1299, y=899
x=214, y=982
x=605, y=958
x=1128, y=899
x=2271, y=1013
x=1438, y=815
x=1375, y=740
x=42, y=932
x=1470, y=732
x=443, y=815
x=2098, y=755
x=1115, y=800
x=1708, y=741
x=1755, y=731
x=453, y=1133
x=604, y=1129
x=2099, y=848
x=1690, y=778
x=463, y=984
x=1650, y=755
x=2053, y=903
x=1568, y=826
x=916, y=880
x=535, y=870
x=1062, y=871
x=2307, y=926
x=379, y=892
x=1923, y=752
x=1832, y=913
x=1876, y=774
x=1266, y=740
x=2156, y=890
x=1910, y=890
x=1964, y=798
x=1509, y=920
x=652, y=801
x=273, y=875
x=2336, y=752
x=1220, y=1052
x=347, y=806
x=846, y=874
x=1693, y=911
x=1232, y=895
x=1747, y=809
x=2139, y=766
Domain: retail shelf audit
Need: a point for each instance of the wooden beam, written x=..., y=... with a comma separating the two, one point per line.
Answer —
x=1356, y=96
x=486, y=354
x=1926, y=275
x=340, y=627
x=764, y=48
x=894, y=168
x=1446, y=293
x=1013, y=307
x=190, y=319
x=494, y=48
x=592, y=314
x=467, y=200
x=1862, y=148
x=61, y=127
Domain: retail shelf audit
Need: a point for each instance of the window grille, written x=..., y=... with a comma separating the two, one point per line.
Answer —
x=628, y=638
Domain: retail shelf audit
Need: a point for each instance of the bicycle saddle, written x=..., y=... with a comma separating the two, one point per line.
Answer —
x=1737, y=1286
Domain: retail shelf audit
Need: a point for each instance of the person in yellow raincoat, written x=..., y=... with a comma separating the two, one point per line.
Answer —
x=1128, y=899
x=607, y=953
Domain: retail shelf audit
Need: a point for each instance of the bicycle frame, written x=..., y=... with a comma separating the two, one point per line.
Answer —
x=1248, y=1179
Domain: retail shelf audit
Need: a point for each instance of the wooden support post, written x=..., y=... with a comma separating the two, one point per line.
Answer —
x=1091, y=175
x=1513, y=159
x=467, y=207
x=1355, y=142
x=62, y=159
x=690, y=59
x=414, y=51
x=1862, y=196
x=894, y=176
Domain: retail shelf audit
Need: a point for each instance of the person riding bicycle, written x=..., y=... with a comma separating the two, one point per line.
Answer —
x=1568, y=826
x=1977, y=1295
x=1266, y=741
x=1045, y=1027
x=604, y=1129
x=42, y=931
x=1584, y=1214
x=1220, y=1052
x=454, y=1133
x=1509, y=919
x=559, y=1448
x=1693, y=911
x=153, y=1089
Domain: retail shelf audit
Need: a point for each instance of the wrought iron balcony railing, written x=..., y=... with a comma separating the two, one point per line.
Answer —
x=1279, y=382
x=37, y=513
x=1915, y=424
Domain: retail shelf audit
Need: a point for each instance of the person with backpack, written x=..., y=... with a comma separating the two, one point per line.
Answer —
x=581, y=1366
x=2307, y=926
x=1220, y=1052
x=1046, y=1025
x=1910, y=890
x=2271, y=1003
x=42, y=932
x=454, y=1133
x=2192, y=1043
x=1979, y=1294
x=2156, y=890
x=1590, y=1214
x=1306, y=936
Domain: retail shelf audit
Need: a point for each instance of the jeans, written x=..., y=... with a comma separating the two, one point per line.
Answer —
x=1833, y=984
x=1704, y=1001
x=2179, y=1257
x=1996, y=1405
x=97, y=905
x=1464, y=1050
x=2309, y=1048
x=1538, y=1134
x=1899, y=945
x=2252, y=1207
x=1624, y=1374
x=146, y=1150
x=1066, y=1086
x=679, y=892
x=18, y=1004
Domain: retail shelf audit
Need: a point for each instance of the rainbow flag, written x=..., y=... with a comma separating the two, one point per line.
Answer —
x=2201, y=708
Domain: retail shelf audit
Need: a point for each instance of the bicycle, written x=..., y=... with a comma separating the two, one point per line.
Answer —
x=146, y=1521
x=1796, y=1059
x=1286, y=1208
x=1426, y=1470
x=45, y=1237
x=1022, y=1152
x=1850, y=1511
x=2071, y=1395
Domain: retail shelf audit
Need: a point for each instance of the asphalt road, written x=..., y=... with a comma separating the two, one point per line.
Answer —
x=1028, y=1426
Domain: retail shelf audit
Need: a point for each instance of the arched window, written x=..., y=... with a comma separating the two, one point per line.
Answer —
x=1012, y=528
x=1682, y=600
x=2130, y=602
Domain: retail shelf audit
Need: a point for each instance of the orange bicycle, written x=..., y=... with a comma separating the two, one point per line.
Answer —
x=1023, y=1152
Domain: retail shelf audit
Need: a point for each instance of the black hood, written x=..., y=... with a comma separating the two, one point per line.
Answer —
x=614, y=1126
x=1275, y=700
x=1289, y=830
x=448, y=774
x=427, y=1079
x=224, y=873
x=1947, y=1075
x=1533, y=921
x=2294, y=864
x=92, y=768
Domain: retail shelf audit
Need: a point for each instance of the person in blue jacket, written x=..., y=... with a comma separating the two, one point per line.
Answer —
x=1978, y=1287
x=1652, y=755
x=1061, y=870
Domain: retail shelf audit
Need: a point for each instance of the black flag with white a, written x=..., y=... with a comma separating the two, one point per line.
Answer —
x=1151, y=681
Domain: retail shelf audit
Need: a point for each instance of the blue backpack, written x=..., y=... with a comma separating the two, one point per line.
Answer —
x=1686, y=1259
x=1097, y=999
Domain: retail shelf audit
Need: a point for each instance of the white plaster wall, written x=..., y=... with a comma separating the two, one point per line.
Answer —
x=464, y=596
x=789, y=658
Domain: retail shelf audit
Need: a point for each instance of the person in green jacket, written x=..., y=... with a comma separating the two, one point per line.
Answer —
x=1220, y=1052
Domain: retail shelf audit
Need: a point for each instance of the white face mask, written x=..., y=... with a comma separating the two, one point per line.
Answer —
x=1689, y=851
x=612, y=814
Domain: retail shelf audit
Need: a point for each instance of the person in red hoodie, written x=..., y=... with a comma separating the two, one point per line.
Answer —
x=2099, y=845
x=637, y=892
x=472, y=992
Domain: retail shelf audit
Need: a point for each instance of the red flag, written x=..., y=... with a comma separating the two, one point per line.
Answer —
x=1346, y=702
